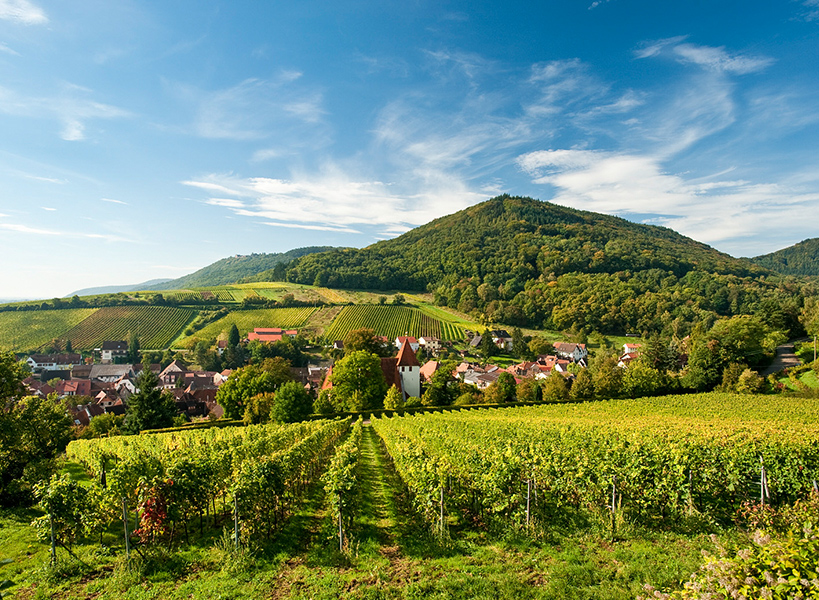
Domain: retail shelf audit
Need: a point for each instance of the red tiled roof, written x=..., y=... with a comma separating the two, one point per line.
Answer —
x=406, y=357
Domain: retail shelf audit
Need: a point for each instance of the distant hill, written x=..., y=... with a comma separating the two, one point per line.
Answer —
x=235, y=268
x=799, y=259
x=115, y=289
x=521, y=261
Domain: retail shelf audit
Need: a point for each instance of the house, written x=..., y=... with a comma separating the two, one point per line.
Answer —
x=430, y=344
x=170, y=374
x=403, y=371
x=626, y=359
x=573, y=352
x=52, y=362
x=111, y=351
x=221, y=346
x=338, y=345
x=74, y=387
x=401, y=339
x=524, y=369
x=629, y=348
x=110, y=373
x=429, y=369
x=271, y=334
x=501, y=338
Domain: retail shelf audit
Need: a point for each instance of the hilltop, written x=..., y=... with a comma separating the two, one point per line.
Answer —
x=234, y=269
x=799, y=259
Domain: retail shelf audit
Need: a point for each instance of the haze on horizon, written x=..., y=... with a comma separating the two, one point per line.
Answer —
x=144, y=139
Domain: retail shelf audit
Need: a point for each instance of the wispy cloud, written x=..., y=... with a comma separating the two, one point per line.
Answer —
x=22, y=11
x=254, y=109
x=329, y=201
x=715, y=59
x=48, y=208
x=112, y=201
x=811, y=12
x=71, y=106
x=736, y=214
x=7, y=50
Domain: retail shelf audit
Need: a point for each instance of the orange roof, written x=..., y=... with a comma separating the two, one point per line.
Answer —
x=406, y=357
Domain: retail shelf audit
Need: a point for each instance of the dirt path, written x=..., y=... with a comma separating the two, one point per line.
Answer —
x=785, y=357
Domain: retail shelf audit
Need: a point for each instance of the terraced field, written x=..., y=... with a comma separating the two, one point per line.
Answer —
x=156, y=326
x=247, y=320
x=391, y=321
x=29, y=330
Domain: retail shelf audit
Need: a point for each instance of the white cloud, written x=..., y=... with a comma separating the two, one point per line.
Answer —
x=7, y=50
x=717, y=59
x=331, y=201
x=737, y=215
x=711, y=58
x=22, y=11
x=256, y=108
x=111, y=200
x=48, y=208
x=70, y=106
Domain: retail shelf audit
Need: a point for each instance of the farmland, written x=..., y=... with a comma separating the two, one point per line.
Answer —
x=28, y=330
x=391, y=321
x=247, y=320
x=448, y=520
x=155, y=326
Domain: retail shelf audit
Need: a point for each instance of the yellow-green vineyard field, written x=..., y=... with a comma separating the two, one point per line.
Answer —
x=247, y=320
x=666, y=456
x=391, y=321
x=155, y=326
x=29, y=330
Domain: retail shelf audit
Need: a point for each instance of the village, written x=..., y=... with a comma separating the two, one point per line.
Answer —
x=101, y=385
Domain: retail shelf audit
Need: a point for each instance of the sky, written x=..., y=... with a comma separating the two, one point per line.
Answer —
x=147, y=139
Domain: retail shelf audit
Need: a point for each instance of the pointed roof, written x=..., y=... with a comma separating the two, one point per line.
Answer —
x=406, y=357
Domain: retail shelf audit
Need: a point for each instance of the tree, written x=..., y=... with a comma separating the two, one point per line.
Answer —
x=291, y=403
x=249, y=381
x=519, y=346
x=607, y=378
x=358, y=381
x=393, y=400
x=583, y=386
x=441, y=390
x=68, y=347
x=324, y=404
x=488, y=347
x=529, y=390
x=503, y=390
x=133, y=347
x=33, y=431
x=641, y=379
x=398, y=299
x=366, y=340
x=233, y=336
x=750, y=382
x=257, y=408
x=150, y=407
x=555, y=388
x=12, y=374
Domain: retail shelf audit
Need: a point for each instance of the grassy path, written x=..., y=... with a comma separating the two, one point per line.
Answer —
x=379, y=519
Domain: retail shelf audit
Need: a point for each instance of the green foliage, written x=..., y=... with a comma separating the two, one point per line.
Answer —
x=358, y=382
x=393, y=399
x=155, y=326
x=390, y=321
x=29, y=330
x=503, y=390
x=555, y=388
x=257, y=408
x=583, y=386
x=342, y=484
x=33, y=431
x=150, y=407
x=799, y=259
x=73, y=509
x=291, y=403
x=365, y=339
x=250, y=381
x=640, y=379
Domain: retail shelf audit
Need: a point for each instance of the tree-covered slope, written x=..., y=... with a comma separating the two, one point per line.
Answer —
x=799, y=259
x=523, y=261
x=514, y=238
x=235, y=268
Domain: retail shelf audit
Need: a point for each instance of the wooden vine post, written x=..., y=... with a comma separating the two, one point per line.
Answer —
x=236, y=521
x=125, y=525
x=53, y=540
x=613, y=506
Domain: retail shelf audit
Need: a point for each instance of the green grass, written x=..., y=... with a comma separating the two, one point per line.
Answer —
x=247, y=320
x=28, y=330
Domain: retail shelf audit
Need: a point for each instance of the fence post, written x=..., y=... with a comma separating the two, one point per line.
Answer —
x=340, y=530
x=236, y=521
x=613, y=506
x=528, y=500
x=53, y=540
x=125, y=525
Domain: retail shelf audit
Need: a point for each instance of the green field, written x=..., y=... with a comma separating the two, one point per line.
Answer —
x=451, y=527
x=155, y=326
x=29, y=330
x=247, y=320
x=391, y=321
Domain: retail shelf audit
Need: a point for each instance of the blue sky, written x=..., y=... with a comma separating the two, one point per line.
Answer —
x=148, y=139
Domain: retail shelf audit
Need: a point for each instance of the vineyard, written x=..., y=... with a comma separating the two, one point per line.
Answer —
x=258, y=472
x=391, y=321
x=247, y=320
x=29, y=330
x=660, y=458
x=155, y=326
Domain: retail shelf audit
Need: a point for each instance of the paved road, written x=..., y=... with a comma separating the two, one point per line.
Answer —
x=785, y=358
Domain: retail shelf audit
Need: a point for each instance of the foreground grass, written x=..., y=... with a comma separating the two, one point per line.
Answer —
x=392, y=555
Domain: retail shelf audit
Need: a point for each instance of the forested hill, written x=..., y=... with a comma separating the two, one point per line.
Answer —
x=799, y=259
x=234, y=268
x=511, y=238
x=523, y=261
